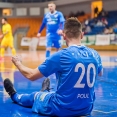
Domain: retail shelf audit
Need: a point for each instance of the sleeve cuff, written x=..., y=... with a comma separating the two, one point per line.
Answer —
x=42, y=72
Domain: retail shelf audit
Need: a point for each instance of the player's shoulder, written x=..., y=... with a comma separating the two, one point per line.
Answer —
x=93, y=51
x=83, y=49
x=61, y=53
x=47, y=15
x=59, y=12
x=66, y=53
x=8, y=25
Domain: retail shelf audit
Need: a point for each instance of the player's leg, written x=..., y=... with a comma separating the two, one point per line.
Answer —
x=2, y=51
x=57, y=44
x=48, y=50
x=13, y=51
x=48, y=47
x=11, y=45
x=2, y=47
x=26, y=100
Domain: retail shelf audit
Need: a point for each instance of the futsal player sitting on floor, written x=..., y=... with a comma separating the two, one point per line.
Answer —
x=76, y=68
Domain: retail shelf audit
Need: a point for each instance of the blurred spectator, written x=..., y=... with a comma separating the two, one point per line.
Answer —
x=96, y=11
x=82, y=13
x=99, y=23
x=103, y=13
x=77, y=14
x=88, y=29
x=111, y=30
x=106, y=31
x=71, y=14
x=86, y=22
x=93, y=22
x=83, y=27
x=104, y=21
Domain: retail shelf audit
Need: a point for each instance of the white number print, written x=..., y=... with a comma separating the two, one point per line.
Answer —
x=90, y=84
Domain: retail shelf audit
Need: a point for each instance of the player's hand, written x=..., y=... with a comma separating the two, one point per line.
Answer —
x=60, y=32
x=1, y=36
x=39, y=35
x=16, y=60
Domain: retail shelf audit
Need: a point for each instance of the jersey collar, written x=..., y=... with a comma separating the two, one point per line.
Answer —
x=53, y=13
x=77, y=45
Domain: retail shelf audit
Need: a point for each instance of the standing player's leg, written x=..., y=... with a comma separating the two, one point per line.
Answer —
x=13, y=51
x=2, y=51
x=11, y=45
x=57, y=44
x=3, y=46
x=26, y=100
x=48, y=47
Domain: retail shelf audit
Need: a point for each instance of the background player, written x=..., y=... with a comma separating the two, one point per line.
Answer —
x=54, y=22
x=76, y=69
x=7, y=38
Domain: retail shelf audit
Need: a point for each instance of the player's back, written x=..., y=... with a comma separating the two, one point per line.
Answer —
x=7, y=28
x=79, y=68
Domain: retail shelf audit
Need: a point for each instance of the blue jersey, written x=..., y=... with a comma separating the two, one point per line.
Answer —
x=53, y=23
x=76, y=69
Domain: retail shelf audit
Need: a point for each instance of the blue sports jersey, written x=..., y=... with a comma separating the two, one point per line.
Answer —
x=76, y=69
x=52, y=23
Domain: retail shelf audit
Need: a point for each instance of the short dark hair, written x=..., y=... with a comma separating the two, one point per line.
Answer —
x=4, y=18
x=51, y=2
x=72, y=27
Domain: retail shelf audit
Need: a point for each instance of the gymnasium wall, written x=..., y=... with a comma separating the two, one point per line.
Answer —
x=98, y=42
x=66, y=9
x=6, y=5
x=0, y=11
x=110, y=5
x=65, y=6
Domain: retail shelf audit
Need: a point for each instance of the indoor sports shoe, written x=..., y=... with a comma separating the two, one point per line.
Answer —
x=46, y=85
x=9, y=87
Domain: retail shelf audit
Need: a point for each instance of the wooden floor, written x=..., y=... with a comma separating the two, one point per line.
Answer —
x=33, y=59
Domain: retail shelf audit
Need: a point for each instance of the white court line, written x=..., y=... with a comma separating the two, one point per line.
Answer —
x=105, y=112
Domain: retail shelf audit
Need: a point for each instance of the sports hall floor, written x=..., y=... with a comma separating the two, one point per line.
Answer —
x=105, y=87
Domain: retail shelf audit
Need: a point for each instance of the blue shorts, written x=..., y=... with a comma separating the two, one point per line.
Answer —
x=42, y=103
x=53, y=43
x=45, y=104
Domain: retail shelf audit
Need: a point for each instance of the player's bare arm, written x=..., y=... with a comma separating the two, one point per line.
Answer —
x=38, y=35
x=60, y=32
x=31, y=74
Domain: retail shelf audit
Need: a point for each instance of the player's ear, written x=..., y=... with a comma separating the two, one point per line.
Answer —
x=64, y=36
x=82, y=35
